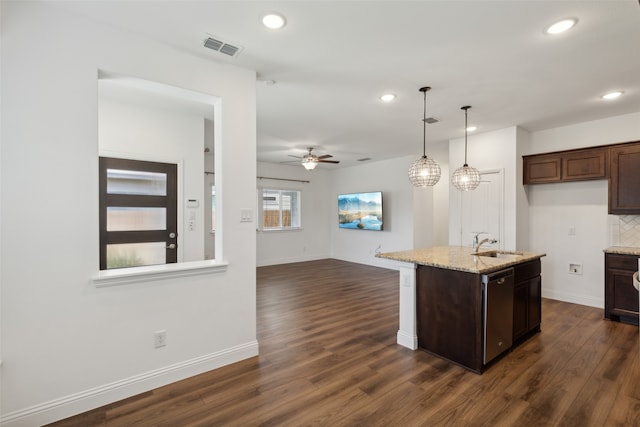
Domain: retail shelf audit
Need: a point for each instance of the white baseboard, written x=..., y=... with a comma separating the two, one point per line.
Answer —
x=572, y=298
x=370, y=260
x=406, y=340
x=265, y=263
x=93, y=398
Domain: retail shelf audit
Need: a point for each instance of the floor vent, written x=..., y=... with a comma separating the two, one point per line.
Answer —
x=222, y=46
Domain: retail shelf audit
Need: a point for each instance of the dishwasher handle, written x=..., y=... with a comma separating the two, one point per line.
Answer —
x=498, y=277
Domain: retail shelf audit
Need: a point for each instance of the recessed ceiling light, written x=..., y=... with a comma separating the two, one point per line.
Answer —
x=612, y=95
x=561, y=26
x=388, y=97
x=472, y=128
x=274, y=21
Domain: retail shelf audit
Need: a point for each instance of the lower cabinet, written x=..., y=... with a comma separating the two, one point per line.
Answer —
x=449, y=311
x=449, y=315
x=620, y=297
x=527, y=298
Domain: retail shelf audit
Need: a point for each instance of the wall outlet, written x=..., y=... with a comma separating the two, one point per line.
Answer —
x=160, y=338
x=575, y=269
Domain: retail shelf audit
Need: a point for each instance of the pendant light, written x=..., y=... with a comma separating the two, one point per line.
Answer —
x=424, y=172
x=465, y=178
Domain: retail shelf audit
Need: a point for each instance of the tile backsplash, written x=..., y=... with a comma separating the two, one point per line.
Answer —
x=625, y=231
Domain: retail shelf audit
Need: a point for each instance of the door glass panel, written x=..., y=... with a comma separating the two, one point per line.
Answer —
x=136, y=219
x=213, y=208
x=136, y=254
x=136, y=182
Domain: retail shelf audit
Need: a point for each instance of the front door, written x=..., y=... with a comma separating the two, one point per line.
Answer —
x=138, y=213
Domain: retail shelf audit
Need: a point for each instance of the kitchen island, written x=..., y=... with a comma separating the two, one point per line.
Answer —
x=467, y=308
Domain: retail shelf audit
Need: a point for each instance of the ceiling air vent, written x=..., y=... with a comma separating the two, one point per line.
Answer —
x=215, y=43
x=431, y=120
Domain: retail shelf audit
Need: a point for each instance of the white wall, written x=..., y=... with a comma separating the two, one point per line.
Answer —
x=486, y=151
x=440, y=153
x=554, y=208
x=523, y=143
x=142, y=132
x=391, y=178
x=68, y=346
x=413, y=217
x=611, y=130
x=312, y=241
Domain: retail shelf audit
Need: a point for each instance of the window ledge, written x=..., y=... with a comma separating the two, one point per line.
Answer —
x=124, y=276
x=278, y=230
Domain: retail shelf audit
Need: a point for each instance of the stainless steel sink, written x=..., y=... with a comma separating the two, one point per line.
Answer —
x=499, y=254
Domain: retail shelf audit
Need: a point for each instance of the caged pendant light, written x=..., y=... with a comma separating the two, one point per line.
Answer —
x=424, y=172
x=465, y=178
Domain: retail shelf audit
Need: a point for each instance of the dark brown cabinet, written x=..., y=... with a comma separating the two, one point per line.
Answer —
x=540, y=169
x=449, y=311
x=449, y=315
x=573, y=165
x=526, y=299
x=620, y=163
x=620, y=297
x=624, y=183
x=585, y=164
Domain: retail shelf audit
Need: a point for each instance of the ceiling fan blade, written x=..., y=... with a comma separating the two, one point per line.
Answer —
x=290, y=161
x=328, y=161
x=291, y=155
x=326, y=156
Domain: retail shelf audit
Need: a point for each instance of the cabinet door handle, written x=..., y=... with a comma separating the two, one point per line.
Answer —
x=500, y=281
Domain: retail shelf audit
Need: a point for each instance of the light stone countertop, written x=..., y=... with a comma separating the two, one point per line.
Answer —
x=623, y=250
x=460, y=258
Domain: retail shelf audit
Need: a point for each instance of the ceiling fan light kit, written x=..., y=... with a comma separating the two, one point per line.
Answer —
x=465, y=178
x=424, y=172
x=309, y=161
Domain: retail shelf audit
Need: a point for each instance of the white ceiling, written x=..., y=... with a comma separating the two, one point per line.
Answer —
x=334, y=58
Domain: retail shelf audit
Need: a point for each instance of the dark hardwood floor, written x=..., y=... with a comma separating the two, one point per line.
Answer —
x=328, y=357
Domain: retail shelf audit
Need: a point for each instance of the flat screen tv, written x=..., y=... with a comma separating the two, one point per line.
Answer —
x=360, y=211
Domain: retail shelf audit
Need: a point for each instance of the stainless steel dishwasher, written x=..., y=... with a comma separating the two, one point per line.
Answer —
x=498, y=312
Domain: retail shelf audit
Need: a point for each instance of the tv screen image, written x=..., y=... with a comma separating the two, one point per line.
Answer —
x=360, y=211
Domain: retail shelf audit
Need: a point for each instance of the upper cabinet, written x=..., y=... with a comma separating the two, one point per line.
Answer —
x=624, y=184
x=542, y=168
x=574, y=165
x=620, y=163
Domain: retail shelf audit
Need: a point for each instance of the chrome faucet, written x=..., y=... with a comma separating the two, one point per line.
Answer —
x=477, y=243
x=483, y=241
x=475, y=240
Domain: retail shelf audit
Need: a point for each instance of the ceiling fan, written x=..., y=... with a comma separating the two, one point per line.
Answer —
x=310, y=161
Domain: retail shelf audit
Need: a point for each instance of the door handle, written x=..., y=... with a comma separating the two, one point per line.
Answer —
x=500, y=281
x=171, y=246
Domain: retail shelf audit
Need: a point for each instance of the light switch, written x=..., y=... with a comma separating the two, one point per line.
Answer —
x=246, y=215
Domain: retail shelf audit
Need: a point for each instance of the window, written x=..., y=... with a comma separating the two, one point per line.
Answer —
x=138, y=213
x=280, y=209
